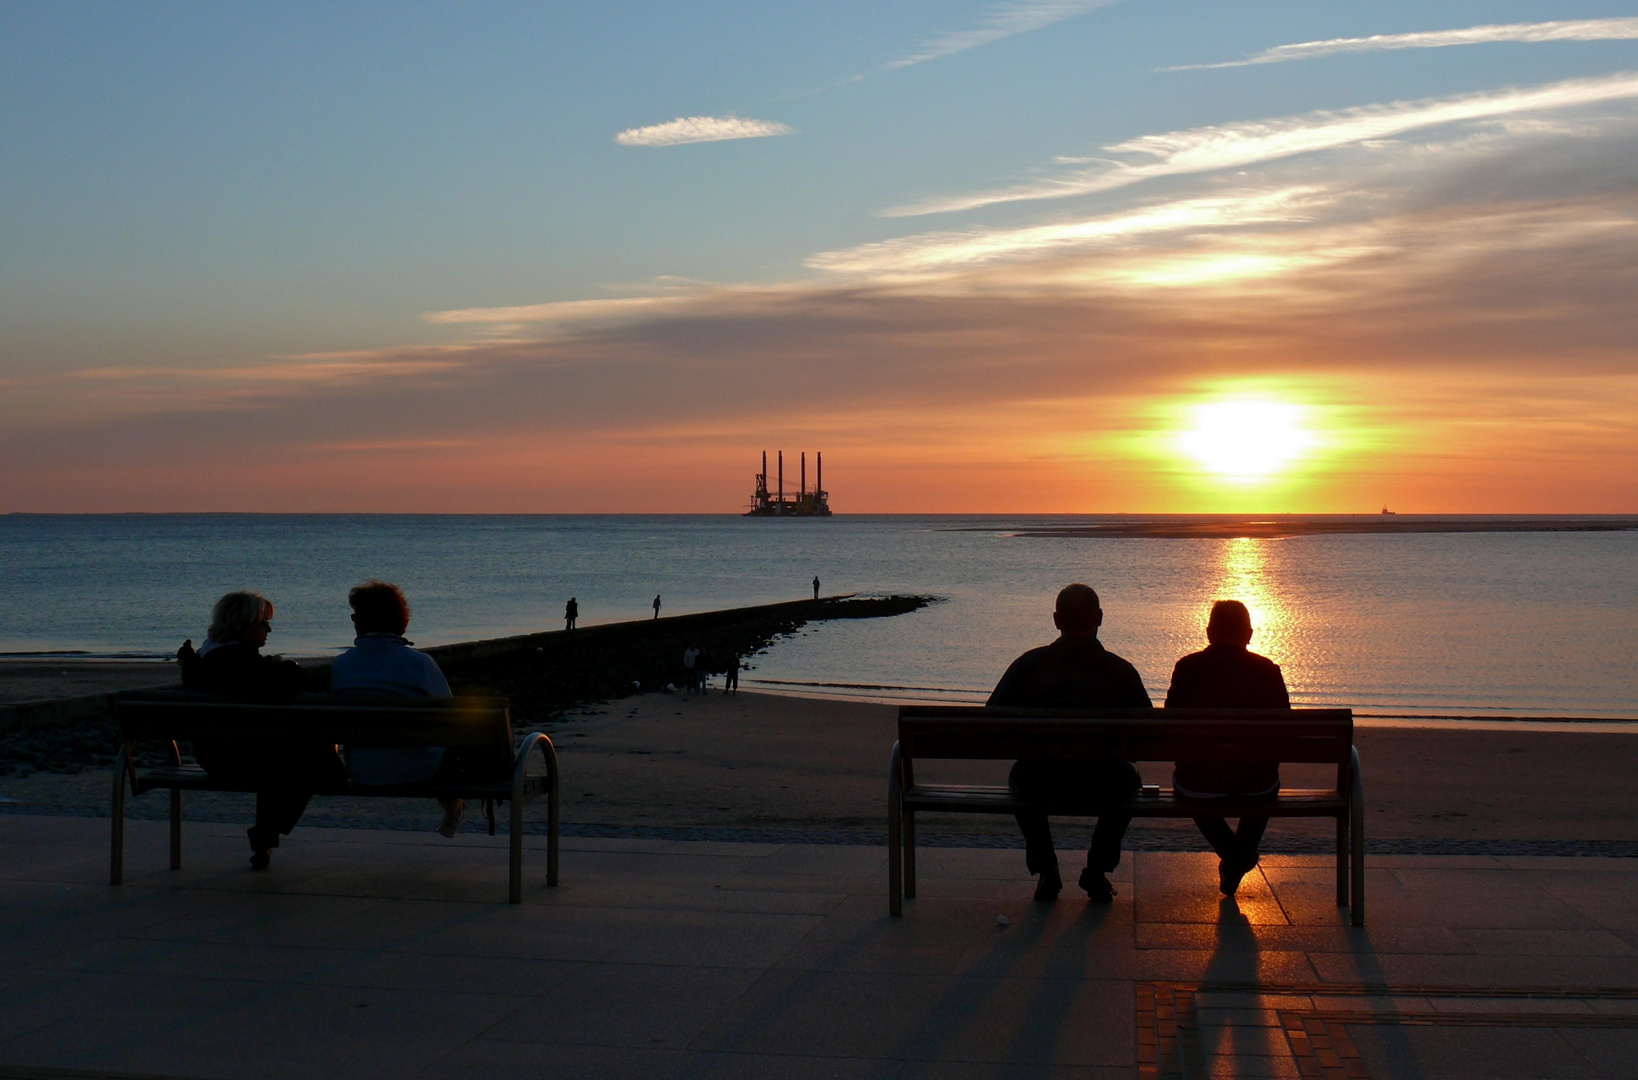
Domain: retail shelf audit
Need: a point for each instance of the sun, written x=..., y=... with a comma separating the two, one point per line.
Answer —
x=1247, y=439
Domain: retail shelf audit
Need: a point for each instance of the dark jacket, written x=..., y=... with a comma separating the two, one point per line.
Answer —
x=240, y=671
x=1071, y=673
x=1227, y=677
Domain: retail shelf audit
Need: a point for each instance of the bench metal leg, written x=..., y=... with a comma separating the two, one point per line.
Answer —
x=1356, y=808
x=514, y=886
x=895, y=810
x=1343, y=854
x=910, y=854
x=116, y=846
x=176, y=828
x=551, y=834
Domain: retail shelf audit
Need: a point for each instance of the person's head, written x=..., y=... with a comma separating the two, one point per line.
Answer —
x=379, y=607
x=1077, y=613
x=1230, y=624
x=241, y=617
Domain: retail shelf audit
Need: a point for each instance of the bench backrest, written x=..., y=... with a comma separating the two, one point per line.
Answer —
x=464, y=723
x=1228, y=735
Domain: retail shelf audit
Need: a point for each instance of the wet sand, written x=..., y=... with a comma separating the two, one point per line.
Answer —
x=767, y=761
x=43, y=680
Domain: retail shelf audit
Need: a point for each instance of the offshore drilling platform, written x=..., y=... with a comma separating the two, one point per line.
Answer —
x=805, y=503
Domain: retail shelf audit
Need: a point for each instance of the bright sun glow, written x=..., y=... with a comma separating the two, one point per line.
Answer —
x=1245, y=438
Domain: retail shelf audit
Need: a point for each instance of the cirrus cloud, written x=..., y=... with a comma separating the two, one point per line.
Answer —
x=1621, y=29
x=696, y=129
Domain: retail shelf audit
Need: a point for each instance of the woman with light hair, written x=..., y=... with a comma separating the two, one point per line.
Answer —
x=230, y=663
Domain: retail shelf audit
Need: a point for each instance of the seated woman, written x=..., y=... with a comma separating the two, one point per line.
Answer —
x=231, y=663
x=382, y=663
x=1226, y=675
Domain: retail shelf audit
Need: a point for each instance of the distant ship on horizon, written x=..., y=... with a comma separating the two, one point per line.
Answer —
x=805, y=503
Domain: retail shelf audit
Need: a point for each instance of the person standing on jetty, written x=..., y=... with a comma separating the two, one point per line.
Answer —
x=382, y=663
x=231, y=663
x=571, y=612
x=1074, y=672
x=1227, y=675
x=816, y=586
x=656, y=605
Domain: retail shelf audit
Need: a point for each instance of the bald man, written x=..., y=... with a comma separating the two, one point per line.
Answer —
x=1227, y=675
x=1074, y=672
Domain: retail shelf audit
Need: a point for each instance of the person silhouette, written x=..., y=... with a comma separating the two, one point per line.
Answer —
x=1074, y=672
x=656, y=605
x=816, y=586
x=1227, y=675
x=571, y=612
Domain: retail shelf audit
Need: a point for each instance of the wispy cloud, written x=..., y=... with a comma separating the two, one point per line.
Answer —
x=942, y=252
x=696, y=129
x=1018, y=17
x=1621, y=29
x=1229, y=146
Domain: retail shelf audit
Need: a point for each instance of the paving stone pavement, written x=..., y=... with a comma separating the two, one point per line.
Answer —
x=375, y=953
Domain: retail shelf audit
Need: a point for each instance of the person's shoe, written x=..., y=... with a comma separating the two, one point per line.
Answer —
x=1229, y=874
x=1048, y=888
x=1098, y=889
x=453, y=819
x=259, y=860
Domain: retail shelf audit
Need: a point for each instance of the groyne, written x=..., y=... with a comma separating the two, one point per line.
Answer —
x=544, y=674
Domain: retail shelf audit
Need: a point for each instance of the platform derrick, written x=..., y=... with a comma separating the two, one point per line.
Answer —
x=805, y=503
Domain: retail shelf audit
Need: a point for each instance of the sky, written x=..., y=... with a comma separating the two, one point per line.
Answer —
x=1027, y=256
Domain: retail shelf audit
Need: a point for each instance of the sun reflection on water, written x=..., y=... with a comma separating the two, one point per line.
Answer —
x=1245, y=574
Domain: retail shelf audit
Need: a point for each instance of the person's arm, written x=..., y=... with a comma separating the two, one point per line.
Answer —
x=1279, y=697
x=1134, y=695
x=434, y=682
x=1005, y=689
x=1174, y=692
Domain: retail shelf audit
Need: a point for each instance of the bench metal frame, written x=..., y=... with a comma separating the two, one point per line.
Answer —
x=1294, y=736
x=470, y=724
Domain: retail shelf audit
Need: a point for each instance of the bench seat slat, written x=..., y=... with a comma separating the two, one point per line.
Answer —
x=973, y=799
x=193, y=778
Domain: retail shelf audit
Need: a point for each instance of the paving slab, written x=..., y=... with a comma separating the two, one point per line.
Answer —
x=366, y=953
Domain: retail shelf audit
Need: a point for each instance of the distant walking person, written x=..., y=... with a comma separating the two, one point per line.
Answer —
x=571, y=612
x=1074, y=672
x=730, y=681
x=1227, y=675
x=690, y=656
x=816, y=586
x=656, y=605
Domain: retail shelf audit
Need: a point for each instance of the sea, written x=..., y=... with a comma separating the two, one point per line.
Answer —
x=1433, y=626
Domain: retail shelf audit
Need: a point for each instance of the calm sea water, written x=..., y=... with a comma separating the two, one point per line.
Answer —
x=1471, y=624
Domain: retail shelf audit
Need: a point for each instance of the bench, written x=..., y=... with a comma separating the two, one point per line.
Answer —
x=480, y=726
x=1323, y=736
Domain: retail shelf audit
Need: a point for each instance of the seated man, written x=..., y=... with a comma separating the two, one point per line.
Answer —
x=230, y=662
x=382, y=663
x=1074, y=672
x=1226, y=675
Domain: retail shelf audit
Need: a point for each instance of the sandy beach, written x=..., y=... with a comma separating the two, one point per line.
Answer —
x=763, y=761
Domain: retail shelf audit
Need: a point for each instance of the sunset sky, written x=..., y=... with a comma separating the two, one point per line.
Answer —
x=1028, y=256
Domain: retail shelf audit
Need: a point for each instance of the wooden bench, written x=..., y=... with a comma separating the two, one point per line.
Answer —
x=1323, y=736
x=481, y=727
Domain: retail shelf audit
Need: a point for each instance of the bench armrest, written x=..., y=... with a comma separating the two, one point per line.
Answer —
x=535, y=740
